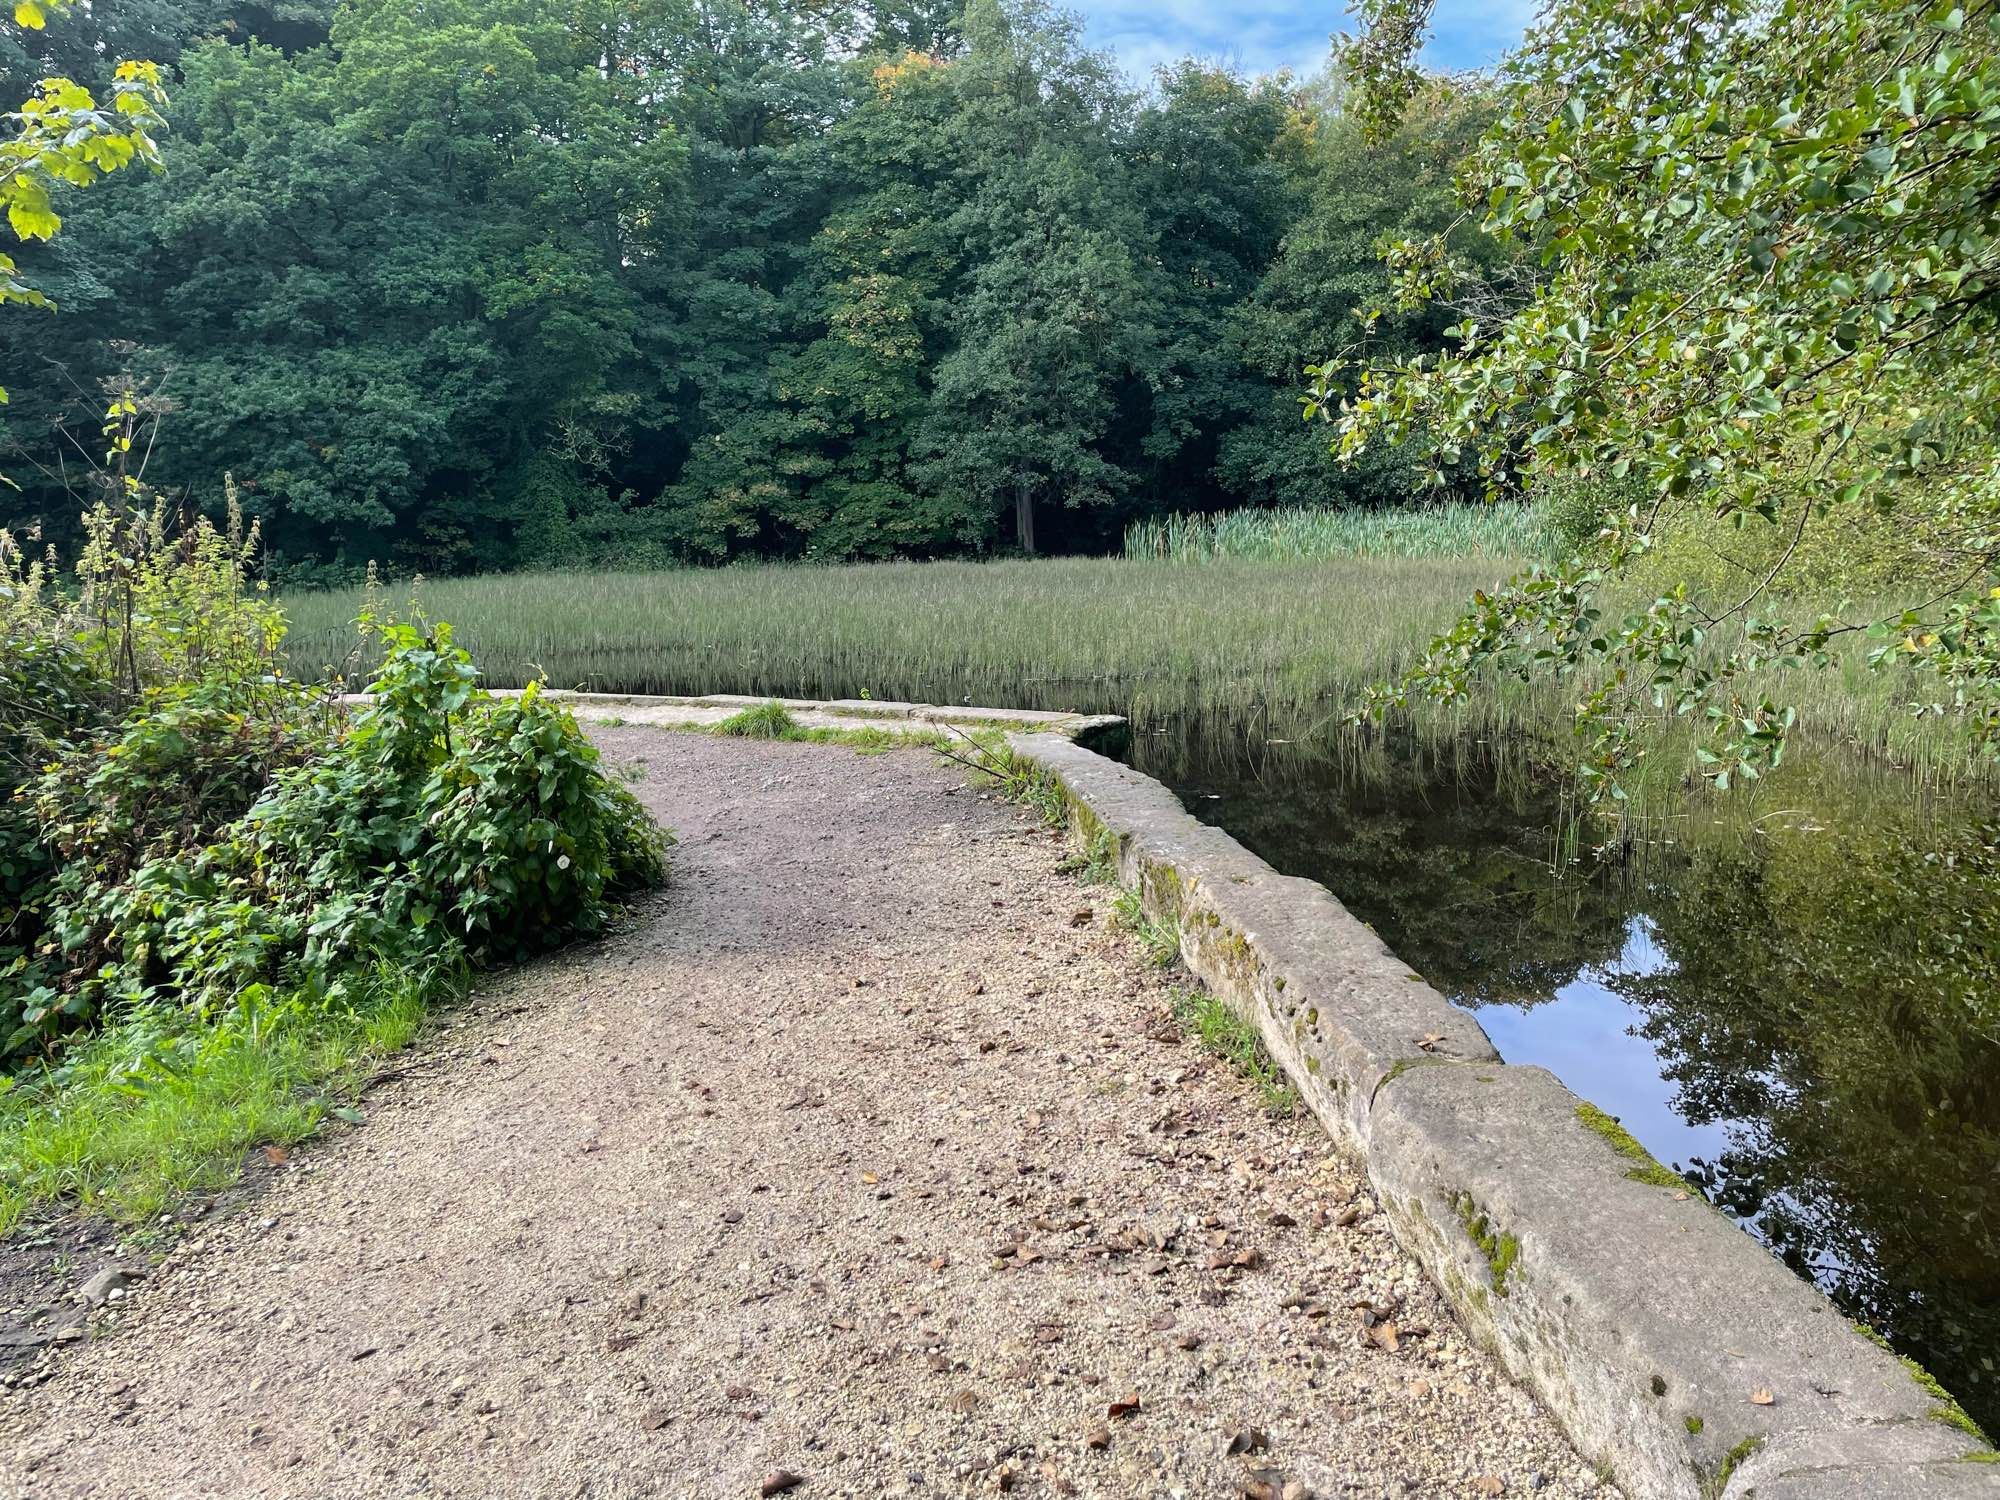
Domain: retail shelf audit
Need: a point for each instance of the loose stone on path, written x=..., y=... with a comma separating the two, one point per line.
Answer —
x=860, y=1164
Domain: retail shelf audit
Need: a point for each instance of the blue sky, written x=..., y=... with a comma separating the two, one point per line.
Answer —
x=1259, y=35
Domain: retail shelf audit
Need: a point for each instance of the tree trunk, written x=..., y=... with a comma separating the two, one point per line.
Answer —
x=1024, y=516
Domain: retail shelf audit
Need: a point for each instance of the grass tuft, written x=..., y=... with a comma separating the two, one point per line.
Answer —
x=1731, y=1462
x=1159, y=941
x=766, y=721
x=1218, y=1028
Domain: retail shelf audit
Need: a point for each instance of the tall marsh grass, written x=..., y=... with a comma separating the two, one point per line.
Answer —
x=1089, y=634
x=1285, y=646
x=1298, y=533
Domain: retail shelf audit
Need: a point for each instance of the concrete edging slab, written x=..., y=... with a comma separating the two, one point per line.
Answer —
x=1643, y=1318
x=706, y=710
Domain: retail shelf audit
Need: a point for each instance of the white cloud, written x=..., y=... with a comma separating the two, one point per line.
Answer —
x=1258, y=36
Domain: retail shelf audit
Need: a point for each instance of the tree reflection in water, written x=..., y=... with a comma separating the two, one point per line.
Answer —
x=1791, y=997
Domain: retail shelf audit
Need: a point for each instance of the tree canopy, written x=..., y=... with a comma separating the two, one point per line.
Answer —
x=486, y=284
x=1762, y=244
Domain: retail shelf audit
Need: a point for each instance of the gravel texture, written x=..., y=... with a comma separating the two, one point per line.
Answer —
x=868, y=1155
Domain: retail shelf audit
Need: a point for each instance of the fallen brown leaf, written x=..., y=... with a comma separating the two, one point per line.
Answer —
x=1762, y=1396
x=1385, y=1335
x=277, y=1156
x=1125, y=1406
x=778, y=1481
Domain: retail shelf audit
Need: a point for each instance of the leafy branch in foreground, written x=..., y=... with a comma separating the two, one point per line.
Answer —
x=1766, y=241
x=63, y=134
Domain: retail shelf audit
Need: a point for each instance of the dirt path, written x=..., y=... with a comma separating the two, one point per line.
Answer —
x=863, y=1156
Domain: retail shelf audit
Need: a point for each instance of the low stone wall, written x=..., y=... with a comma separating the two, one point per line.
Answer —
x=1672, y=1347
x=706, y=710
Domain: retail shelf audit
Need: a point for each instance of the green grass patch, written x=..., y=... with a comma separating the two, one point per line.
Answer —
x=866, y=740
x=1218, y=1028
x=773, y=721
x=1083, y=634
x=992, y=765
x=159, y=1105
x=1097, y=862
x=1159, y=941
x=1731, y=1462
x=765, y=721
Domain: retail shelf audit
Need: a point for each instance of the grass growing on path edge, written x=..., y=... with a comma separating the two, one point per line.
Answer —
x=1210, y=1021
x=1206, y=1017
x=164, y=1104
x=773, y=721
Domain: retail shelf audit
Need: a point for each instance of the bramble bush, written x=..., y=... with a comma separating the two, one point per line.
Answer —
x=184, y=825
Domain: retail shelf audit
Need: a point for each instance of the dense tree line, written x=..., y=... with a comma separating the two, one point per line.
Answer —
x=458, y=284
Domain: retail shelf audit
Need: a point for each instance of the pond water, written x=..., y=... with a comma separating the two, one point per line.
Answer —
x=1792, y=997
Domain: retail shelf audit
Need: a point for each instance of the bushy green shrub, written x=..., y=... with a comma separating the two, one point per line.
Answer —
x=185, y=825
x=446, y=817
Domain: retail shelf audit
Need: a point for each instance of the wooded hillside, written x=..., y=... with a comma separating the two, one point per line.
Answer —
x=473, y=284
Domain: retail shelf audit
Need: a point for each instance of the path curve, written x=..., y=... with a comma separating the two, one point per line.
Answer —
x=865, y=1154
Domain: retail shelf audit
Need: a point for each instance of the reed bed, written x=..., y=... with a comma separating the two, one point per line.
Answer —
x=1280, y=650
x=1074, y=633
x=1298, y=534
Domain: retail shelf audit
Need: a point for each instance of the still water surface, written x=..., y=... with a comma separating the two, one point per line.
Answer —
x=1791, y=997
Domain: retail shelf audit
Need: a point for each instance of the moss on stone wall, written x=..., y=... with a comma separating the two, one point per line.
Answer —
x=1501, y=1250
x=1645, y=1167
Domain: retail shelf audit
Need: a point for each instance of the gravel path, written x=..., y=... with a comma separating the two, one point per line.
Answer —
x=866, y=1156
